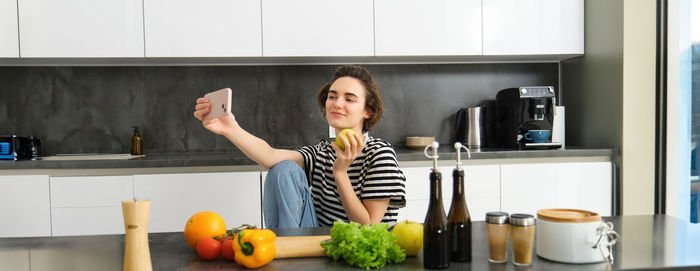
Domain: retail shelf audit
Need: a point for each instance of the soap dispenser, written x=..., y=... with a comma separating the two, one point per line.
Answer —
x=136, y=142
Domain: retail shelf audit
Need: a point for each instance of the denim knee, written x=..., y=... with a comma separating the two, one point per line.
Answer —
x=286, y=198
x=283, y=168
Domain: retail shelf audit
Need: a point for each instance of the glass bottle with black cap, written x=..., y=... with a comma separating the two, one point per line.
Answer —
x=458, y=221
x=436, y=245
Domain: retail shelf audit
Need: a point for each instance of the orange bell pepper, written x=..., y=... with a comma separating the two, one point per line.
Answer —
x=254, y=247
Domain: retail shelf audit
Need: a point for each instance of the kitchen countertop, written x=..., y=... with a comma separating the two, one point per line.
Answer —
x=648, y=242
x=236, y=158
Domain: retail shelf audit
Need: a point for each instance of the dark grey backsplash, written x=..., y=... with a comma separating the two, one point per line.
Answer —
x=91, y=109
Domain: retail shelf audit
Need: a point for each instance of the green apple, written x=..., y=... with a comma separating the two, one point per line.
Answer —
x=409, y=236
x=344, y=133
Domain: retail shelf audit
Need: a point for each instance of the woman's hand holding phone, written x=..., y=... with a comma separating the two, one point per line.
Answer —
x=218, y=125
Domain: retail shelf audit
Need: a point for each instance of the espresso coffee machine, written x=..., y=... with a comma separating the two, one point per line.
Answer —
x=19, y=148
x=524, y=118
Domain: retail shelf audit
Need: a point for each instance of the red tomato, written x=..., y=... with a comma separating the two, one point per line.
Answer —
x=208, y=248
x=222, y=238
x=227, y=250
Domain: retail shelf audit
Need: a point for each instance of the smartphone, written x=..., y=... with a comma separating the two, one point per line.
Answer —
x=220, y=103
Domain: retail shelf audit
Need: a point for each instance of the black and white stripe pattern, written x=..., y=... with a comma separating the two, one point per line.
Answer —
x=375, y=174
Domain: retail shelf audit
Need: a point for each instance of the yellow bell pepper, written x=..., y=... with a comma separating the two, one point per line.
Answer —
x=254, y=247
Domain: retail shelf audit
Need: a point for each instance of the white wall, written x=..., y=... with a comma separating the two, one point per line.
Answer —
x=638, y=114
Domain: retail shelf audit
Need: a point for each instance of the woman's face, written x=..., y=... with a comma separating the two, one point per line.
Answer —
x=345, y=104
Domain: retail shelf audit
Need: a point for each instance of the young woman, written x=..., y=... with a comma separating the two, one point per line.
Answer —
x=318, y=184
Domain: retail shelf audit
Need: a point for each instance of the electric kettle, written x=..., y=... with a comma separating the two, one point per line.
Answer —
x=469, y=127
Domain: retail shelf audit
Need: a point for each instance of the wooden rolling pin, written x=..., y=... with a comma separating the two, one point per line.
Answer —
x=300, y=246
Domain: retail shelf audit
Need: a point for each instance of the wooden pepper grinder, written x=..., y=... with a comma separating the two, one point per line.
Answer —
x=137, y=255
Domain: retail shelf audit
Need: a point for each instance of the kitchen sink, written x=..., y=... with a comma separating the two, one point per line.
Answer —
x=91, y=156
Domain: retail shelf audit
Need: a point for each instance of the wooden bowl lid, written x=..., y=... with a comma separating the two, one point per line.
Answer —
x=568, y=215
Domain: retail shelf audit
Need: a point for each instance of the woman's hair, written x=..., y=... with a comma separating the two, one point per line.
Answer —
x=373, y=101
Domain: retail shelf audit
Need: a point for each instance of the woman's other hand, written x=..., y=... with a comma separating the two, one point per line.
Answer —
x=219, y=126
x=353, y=146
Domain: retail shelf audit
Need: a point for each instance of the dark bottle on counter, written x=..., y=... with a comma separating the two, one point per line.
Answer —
x=436, y=243
x=136, y=142
x=458, y=221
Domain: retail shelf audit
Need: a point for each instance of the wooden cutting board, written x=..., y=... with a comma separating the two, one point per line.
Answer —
x=300, y=246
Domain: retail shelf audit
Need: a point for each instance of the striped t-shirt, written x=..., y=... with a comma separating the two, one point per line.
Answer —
x=375, y=174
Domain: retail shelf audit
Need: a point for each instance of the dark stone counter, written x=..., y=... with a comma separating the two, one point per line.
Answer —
x=236, y=158
x=648, y=242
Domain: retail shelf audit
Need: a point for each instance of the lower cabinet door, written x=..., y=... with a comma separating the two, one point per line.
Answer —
x=481, y=188
x=89, y=205
x=526, y=188
x=87, y=220
x=91, y=191
x=478, y=207
x=416, y=210
x=24, y=206
x=236, y=196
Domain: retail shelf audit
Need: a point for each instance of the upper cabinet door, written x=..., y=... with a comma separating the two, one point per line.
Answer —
x=532, y=27
x=318, y=28
x=206, y=28
x=427, y=27
x=9, y=43
x=81, y=28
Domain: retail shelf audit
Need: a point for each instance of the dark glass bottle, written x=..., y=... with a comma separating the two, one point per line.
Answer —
x=436, y=245
x=459, y=223
x=136, y=142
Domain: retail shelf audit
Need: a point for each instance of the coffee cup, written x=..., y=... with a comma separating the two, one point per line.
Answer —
x=537, y=136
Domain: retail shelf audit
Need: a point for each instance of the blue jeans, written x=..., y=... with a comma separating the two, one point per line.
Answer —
x=287, y=201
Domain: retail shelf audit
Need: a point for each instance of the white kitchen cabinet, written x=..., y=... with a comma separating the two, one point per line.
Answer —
x=89, y=205
x=526, y=188
x=91, y=191
x=427, y=27
x=416, y=210
x=208, y=28
x=236, y=196
x=482, y=191
x=73, y=221
x=318, y=28
x=9, y=40
x=24, y=206
x=532, y=27
x=81, y=28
